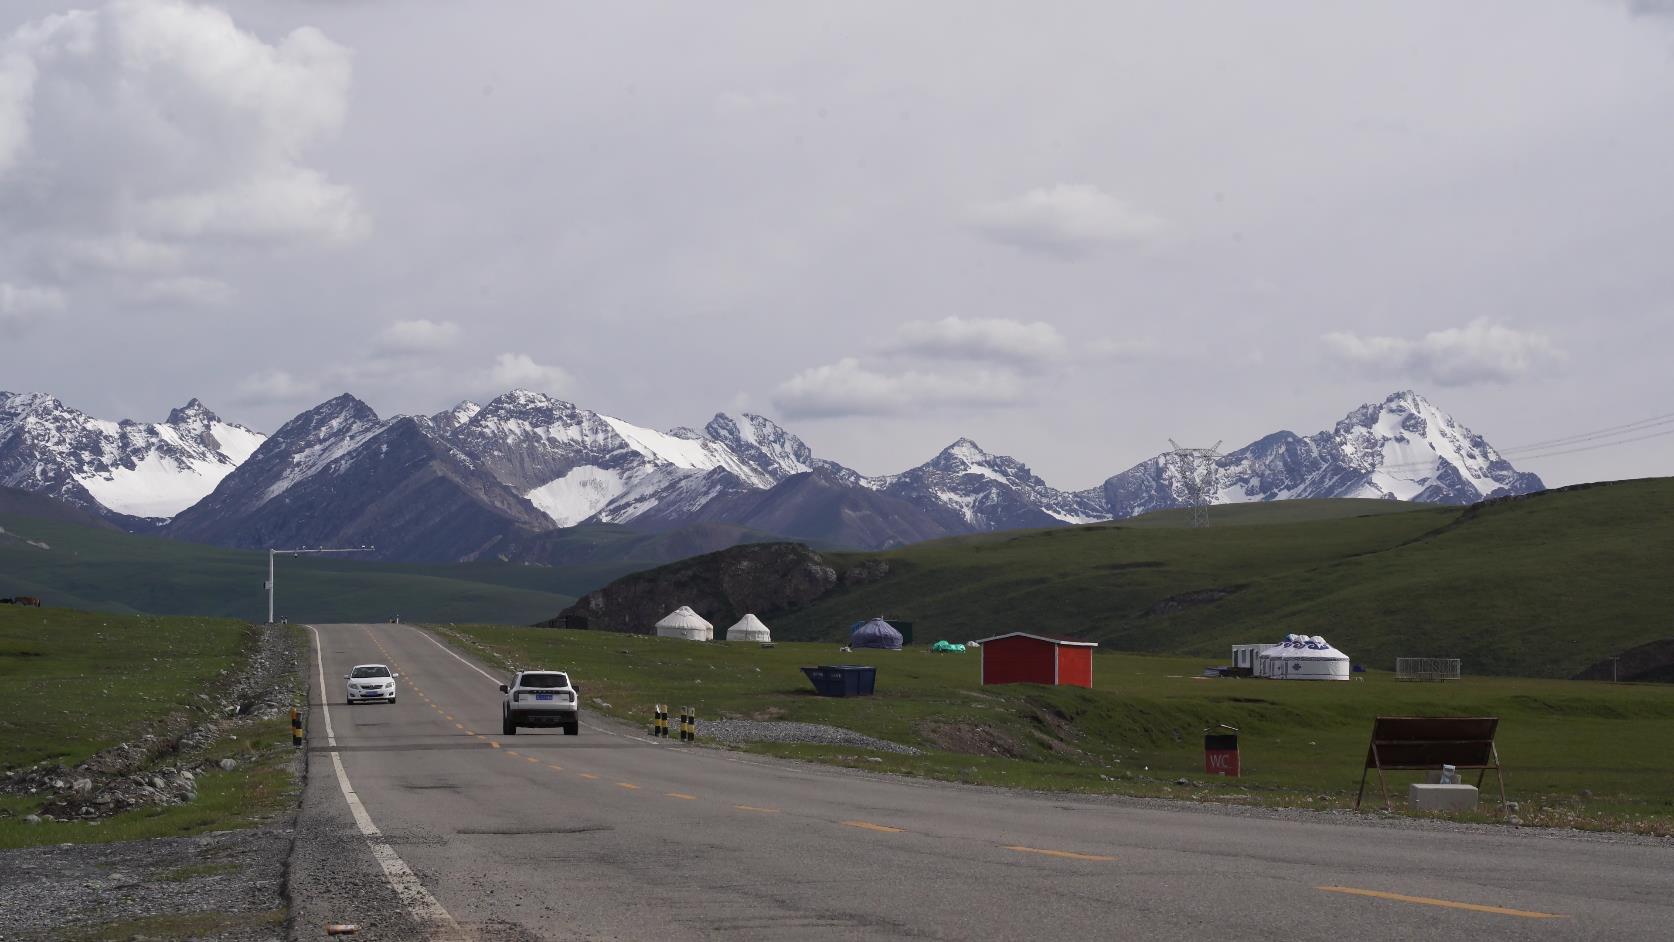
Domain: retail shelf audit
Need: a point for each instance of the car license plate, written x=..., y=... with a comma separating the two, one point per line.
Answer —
x=543, y=696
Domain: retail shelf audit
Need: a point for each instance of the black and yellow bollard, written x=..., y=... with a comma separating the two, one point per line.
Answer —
x=659, y=722
x=688, y=725
x=296, y=727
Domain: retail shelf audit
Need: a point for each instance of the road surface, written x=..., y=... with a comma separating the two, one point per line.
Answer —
x=421, y=821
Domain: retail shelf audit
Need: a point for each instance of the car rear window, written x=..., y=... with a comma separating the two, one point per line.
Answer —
x=544, y=680
x=370, y=672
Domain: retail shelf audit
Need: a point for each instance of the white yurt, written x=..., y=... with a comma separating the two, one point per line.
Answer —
x=1300, y=657
x=749, y=628
x=685, y=623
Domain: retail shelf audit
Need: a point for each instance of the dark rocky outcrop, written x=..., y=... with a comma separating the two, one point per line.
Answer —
x=1647, y=663
x=763, y=578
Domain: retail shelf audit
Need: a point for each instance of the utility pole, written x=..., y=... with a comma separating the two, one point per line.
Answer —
x=1197, y=472
x=298, y=552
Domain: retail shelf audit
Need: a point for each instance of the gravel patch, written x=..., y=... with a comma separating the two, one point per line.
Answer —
x=741, y=731
x=60, y=891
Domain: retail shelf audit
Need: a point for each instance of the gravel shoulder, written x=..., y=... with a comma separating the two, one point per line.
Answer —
x=217, y=880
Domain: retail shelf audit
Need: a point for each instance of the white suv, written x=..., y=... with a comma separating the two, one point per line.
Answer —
x=539, y=698
x=370, y=682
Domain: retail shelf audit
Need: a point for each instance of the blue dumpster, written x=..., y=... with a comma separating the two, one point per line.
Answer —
x=842, y=680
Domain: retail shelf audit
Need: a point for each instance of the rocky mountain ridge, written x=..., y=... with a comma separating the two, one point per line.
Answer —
x=492, y=480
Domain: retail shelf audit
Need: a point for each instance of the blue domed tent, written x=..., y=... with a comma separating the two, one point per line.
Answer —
x=876, y=633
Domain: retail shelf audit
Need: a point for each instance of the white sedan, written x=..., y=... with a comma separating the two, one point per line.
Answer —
x=370, y=682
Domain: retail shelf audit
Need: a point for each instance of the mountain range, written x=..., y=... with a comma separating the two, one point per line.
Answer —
x=532, y=478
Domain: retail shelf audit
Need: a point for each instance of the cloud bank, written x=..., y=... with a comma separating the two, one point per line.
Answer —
x=1480, y=352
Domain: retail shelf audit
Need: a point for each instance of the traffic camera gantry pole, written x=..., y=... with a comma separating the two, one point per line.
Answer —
x=297, y=552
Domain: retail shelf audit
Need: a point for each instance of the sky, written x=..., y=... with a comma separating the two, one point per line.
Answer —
x=1069, y=231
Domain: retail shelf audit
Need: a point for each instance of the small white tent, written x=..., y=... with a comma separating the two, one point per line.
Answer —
x=749, y=628
x=1300, y=657
x=685, y=623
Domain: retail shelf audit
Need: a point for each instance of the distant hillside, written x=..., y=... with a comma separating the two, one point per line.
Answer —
x=74, y=566
x=15, y=502
x=1542, y=585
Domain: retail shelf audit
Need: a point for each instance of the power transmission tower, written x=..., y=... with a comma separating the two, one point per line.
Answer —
x=1196, y=467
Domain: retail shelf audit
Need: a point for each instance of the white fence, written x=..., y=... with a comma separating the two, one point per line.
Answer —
x=1426, y=668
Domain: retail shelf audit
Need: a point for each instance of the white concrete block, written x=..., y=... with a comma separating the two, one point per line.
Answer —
x=1425, y=797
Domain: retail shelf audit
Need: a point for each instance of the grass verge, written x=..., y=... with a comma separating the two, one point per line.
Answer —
x=75, y=683
x=1576, y=754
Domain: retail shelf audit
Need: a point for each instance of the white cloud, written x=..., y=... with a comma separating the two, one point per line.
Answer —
x=20, y=304
x=992, y=339
x=1065, y=221
x=418, y=336
x=513, y=370
x=1480, y=352
x=152, y=136
x=276, y=386
x=846, y=388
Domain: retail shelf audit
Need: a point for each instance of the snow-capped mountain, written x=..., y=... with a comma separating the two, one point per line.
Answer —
x=124, y=469
x=501, y=479
x=990, y=492
x=340, y=475
x=1403, y=448
x=576, y=465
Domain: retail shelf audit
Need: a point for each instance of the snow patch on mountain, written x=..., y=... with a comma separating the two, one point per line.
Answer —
x=138, y=469
x=579, y=494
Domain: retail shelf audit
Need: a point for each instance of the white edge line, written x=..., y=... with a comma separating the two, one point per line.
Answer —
x=406, y=884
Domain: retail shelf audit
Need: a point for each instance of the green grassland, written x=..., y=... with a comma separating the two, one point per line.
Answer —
x=75, y=683
x=1581, y=754
x=104, y=570
x=1539, y=586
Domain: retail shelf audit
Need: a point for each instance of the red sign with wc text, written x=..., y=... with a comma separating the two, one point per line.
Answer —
x=1220, y=755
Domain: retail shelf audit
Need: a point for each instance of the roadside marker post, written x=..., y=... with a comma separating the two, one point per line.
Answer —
x=688, y=725
x=296, y=727
x=659, y=719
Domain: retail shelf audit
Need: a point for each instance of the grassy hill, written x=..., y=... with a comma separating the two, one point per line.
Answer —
x=1541, y=586
x=69, y=565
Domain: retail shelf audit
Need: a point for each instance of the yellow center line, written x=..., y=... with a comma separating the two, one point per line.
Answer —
x=556, y=768
x=459, y=726
x=869, y=826
x=682, y=796
x=628, y=785
x=588, y=775
x=754, y=808
x=494, y=744
x=532, y=759
x=1443, y=903
x=510, y=752
x=447, y=717
x=1067, y=854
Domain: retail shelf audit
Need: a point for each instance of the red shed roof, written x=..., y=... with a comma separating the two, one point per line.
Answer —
x=1024, y=634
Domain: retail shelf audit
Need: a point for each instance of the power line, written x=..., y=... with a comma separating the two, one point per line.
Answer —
x=1595, y=434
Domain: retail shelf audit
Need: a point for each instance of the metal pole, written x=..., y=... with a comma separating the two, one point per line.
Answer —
x=271, y=552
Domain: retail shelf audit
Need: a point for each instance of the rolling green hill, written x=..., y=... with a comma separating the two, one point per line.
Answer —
x=72, y=566
x=1543, y=585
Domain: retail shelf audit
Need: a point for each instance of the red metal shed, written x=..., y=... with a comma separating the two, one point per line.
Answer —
x=1023, y=658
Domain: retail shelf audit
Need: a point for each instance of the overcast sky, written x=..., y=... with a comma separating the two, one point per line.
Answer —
x=1068, y=231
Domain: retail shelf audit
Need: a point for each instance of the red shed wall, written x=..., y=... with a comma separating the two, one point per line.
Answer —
x=1075, y=667
x=1017, y=661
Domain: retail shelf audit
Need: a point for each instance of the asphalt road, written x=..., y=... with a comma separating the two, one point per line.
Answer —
x=439, y=827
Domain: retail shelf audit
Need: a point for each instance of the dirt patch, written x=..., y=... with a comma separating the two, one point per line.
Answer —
x=972, y=739
x=1184, y=600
